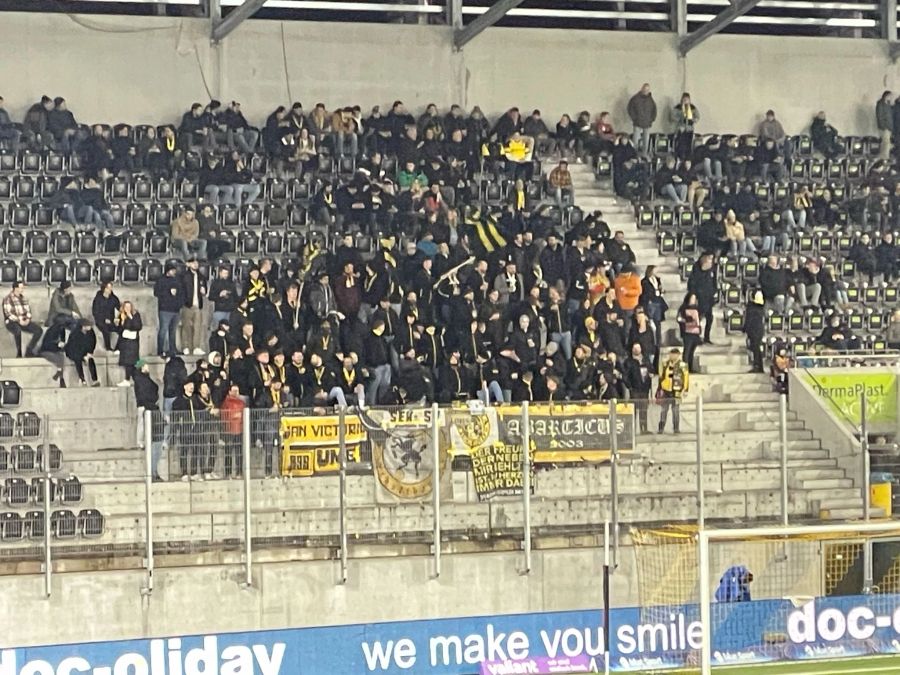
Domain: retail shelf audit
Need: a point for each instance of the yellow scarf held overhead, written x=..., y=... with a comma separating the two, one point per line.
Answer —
x=688, y=112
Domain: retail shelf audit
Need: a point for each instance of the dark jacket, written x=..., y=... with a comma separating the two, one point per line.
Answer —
x=146, y=391
x=755, y=322
x=174, y=377
x=187, y=283
x=169, y=292
x=80, y=344
x=642, y=110
x=773, y=282
x=702, y=283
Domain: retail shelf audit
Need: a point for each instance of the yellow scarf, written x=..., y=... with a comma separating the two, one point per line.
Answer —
x=520, y=199
x=170, y=144
x=688, y=112
x=350, y=376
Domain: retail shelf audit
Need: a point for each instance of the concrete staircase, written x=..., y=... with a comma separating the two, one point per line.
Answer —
x=736, y=401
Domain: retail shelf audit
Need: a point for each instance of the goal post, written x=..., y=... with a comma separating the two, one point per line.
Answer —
x=743, y=596
x=839, y=547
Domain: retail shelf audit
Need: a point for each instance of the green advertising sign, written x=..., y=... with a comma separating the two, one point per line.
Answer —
x=842, y=392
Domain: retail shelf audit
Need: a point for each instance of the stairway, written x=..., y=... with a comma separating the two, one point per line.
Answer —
x=736, y=401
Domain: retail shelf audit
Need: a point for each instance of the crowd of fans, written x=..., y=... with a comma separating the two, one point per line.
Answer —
x=454, y=295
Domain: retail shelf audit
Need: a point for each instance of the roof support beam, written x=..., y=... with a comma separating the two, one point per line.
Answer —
x=889, y=20
x=679, y=17
x=737, y=9
x=496, y=12
x=235, y=18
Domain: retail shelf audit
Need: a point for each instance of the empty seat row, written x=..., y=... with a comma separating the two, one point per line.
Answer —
x=25, y=424
x=19, y=492
x=64, y=524
x=23, y=458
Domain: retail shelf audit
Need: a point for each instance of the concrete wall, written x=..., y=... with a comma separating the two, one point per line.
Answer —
x=109, y=605
x=151, y=69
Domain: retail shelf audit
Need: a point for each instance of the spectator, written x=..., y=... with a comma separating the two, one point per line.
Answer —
x=778, y=372
x=560, y=184
x=824, y=137
x=96, y=211
x=771, y=129
x=61, y=123
x=344, y=135
x=34, y=125
x=535, y=127
x=244, y=189
x=63, y=307
x=193, y=284
x=80, y=350
x=642, y=111
x=638, y=375
x=684, y=116
x=241, y=136
x=187, y=431
x=807, y=289
x=232, y=415
x=224, y=296
x=128, y=321
x=776, y=286
x=689, y=322
x=862, y=253
x=754, y=328
x=146, y=397
x=606, y=135
x=673, y=385
x=669, y=183
x=769, y=160
x=893, y=330
x=186, y=235
x=565, y=136
x=52, y=347
x=196, y=130
x=884, y=119
x=619, y=252
x=773, y=234
x=213, y=184
x=702, y=283
x=741, y=245
x=628, y=292
x=9, y=133
x=17, y=317
x=104, y=309
x=170, y=297
x=886, y=257
x=653, y=297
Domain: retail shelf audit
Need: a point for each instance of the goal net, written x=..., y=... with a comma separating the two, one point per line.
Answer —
x=727, y=597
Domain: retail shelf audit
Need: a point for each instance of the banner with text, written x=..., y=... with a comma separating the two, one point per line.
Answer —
x=744, y=633
x=310, y=445
x=842, y=391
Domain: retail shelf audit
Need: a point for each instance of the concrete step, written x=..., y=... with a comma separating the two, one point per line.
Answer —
x=823, y=483
x=818, y=472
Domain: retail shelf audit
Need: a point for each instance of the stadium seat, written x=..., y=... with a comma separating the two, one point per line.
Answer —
x=63, y=524
x=28, y=424
x=31, y=271
x=37, y=243
x=10, y=394
x=55, y=456
x=55, y=271
x=86, y=243
x=16, y=491
x=13, y=243
x=70, y=490
x=128, y=271
x=80, y=271
x=12, y=527
x=151, y=270
x=90, y=523
x=104, y=270
x=61, y=243
x=38, y=490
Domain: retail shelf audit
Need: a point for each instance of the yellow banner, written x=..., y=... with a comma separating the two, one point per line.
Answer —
x=310, y=445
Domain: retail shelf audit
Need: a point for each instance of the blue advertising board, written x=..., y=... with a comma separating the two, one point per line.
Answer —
x=745, y=632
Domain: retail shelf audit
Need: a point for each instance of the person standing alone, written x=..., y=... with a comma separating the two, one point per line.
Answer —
x=193, y=284
x=642, y=111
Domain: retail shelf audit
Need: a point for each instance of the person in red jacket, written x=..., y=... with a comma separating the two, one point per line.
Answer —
x=232, y=414
x=628, y=292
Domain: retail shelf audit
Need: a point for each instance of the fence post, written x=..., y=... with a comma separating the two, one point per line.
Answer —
x=148, y=500
x=701, y=496
x=867, y=488
x=48, y=562
x=342, y=452
x=606, y=574
x=614, y=476
x=705, y=599
x=864, y=451
x=248, y=534
x=526, y=485
x=784, y=459
x=436, y=488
